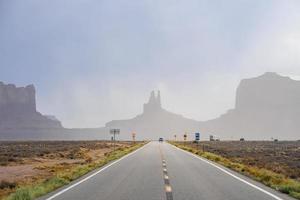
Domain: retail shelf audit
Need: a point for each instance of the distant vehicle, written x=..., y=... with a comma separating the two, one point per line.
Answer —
x=160, y=139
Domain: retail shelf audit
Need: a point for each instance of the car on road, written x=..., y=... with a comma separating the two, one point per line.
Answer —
x=161, y=139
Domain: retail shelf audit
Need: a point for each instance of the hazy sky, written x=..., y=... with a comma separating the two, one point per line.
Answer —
x=92, y=61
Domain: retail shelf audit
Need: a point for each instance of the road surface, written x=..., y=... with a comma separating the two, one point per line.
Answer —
x=160, y=171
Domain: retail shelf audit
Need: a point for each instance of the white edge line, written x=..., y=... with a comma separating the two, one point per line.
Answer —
x=230, y=174
x=94, y=174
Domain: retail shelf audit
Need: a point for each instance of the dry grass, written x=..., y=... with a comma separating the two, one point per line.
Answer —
x=281, y=157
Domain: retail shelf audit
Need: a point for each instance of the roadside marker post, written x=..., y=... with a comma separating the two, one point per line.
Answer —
x=114, y=132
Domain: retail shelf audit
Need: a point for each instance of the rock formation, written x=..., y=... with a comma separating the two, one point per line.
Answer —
x=267, y=107
x=154, y=122
x=18, y=109
x=16, y=101
x=154, y=103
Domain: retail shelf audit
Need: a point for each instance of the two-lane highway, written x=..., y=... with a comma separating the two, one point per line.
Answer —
x=160, y=171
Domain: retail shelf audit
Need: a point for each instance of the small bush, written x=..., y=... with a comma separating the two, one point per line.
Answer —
x=6, y=184
x=21, y=194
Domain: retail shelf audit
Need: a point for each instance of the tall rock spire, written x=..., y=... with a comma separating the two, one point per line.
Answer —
x=158, y=99
x=154, y=103
x=152, y=98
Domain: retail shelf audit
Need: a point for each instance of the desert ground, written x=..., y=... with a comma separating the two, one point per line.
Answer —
x=281, y=157
x=32, y=162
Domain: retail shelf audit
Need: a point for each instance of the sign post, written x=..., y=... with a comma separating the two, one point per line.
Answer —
x=184, y=138
x=175, y=137
x=114, y=132
x=133, y=137
x=197, y=137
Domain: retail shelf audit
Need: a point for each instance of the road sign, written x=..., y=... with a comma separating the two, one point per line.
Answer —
x=184, y=137
x=197, y=136
x=114, y=132
x=133, y=137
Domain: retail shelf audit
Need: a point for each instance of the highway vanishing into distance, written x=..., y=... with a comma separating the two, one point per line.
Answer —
x=160, y=171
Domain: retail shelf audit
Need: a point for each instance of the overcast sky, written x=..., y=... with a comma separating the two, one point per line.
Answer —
x=93, y=61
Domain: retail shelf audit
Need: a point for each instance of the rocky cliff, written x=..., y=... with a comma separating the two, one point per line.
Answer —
x=16, y=101
x=18, y=109
x=267, y=107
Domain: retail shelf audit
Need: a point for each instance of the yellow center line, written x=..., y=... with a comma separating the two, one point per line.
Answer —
x=168, y=187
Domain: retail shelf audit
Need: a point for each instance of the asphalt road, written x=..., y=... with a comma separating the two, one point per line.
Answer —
x=160, y=171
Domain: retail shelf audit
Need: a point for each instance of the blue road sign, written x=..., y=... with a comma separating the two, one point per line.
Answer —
x=197, y=136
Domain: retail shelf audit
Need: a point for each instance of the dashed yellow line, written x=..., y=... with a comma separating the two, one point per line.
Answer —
x=168, y=187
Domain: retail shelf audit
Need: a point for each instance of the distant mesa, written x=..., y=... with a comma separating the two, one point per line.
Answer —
x=18, y=109
x=19, y=119
x=266, y=106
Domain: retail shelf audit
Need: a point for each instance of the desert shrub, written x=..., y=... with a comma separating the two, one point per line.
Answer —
x=6, y=184
x=295, y=194
x=291, y=188
x=88, y=159
x=21, y=194
x=47, y=186
x=11, y=159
